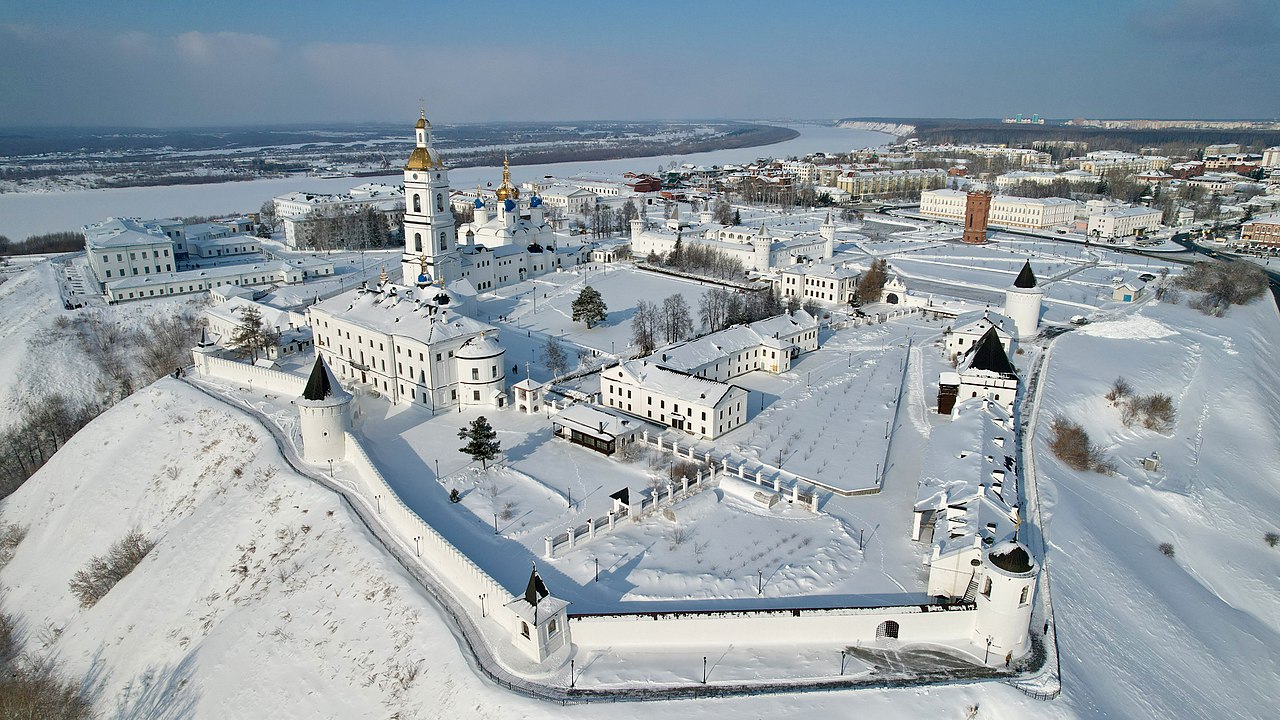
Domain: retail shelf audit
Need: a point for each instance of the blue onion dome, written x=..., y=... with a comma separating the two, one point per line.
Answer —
x=535, y=201
x=423, y=280
x=510, y=205
x=479, y=203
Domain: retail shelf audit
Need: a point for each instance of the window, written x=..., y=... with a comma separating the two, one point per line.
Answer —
x=437, y=357
x=1025, y=591
x=887, y=629
x=443, y=243
x=524, y=626
x=475, y=373
x=552, y=628
x=417, y=242
x=986, y=588
x=475, y=395
x=439, y=202
x=453, y=394
x=417, y=207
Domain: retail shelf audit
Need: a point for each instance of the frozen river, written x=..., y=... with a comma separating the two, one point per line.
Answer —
x=23, y=214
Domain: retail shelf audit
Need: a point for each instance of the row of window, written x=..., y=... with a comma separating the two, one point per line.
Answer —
x=146, y=270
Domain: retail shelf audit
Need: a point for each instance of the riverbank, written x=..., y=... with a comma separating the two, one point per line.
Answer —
x=25, y=214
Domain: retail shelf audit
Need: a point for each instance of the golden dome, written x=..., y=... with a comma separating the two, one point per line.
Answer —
x=507, y=191
x=419, y=159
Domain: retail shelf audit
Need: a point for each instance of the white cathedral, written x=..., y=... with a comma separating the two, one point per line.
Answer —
x=503, y=245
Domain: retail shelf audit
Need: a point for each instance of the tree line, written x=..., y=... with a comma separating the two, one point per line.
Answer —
x=56, y=242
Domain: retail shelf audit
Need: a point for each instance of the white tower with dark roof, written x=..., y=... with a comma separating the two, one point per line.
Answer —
x=1022, y=303
x=323, y=416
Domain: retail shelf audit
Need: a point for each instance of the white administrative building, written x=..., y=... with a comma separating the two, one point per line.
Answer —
x=1006, y=210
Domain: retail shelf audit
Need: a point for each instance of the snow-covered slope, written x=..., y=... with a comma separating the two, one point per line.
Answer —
x=1142, y=634
x=265, y=597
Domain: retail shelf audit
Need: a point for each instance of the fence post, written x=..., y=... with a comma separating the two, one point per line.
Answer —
x=573, y=538
x=591, y=527
x=612, y=518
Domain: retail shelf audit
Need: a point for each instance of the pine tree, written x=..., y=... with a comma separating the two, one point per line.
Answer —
x=251, y=335
x=737, y=217
x=482, y=441
x=589, y=307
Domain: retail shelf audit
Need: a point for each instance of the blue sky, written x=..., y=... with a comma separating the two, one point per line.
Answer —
x=233, y=62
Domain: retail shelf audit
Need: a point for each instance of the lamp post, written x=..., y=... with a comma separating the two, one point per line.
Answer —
x=572, y=679
x=330, y=468
x=417, y=549
x=842, y=657
x=704, y=669
x=378, y=499
x=760, y=582
x=495, y=523
x=482, y=597
x=597, y=569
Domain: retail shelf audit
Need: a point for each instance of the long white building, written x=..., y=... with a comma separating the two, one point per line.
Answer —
x=677, y=400
x=1006, y=210
x=274, y=272
x=771, y=345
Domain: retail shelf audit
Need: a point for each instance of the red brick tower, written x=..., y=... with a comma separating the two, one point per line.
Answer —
x=976, y=206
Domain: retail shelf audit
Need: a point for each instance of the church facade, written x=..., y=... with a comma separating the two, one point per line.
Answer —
x=503, y=245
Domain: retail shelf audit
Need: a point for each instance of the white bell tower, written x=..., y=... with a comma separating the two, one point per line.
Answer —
x=428, y=218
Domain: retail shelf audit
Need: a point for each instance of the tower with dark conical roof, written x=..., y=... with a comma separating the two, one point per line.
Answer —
x=541, y=620
x=1022, y=302
x=323, y=415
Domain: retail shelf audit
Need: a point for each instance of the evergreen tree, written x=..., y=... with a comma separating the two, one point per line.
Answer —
x=252, y=335
x=589, y=307
x=737, y=217
x=482, y=441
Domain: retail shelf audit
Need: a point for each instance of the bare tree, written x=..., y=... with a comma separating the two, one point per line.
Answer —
x=713, y=309
x=557, y=361
x=677, y=323
x=645, y=326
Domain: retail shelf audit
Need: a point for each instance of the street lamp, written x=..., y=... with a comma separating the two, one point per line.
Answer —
x=417, y=550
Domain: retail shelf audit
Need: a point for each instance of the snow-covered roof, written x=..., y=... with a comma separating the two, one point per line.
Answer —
x=978, y=324
x=231, y=311
x=596, y=421
x=122, y=232
x=202, y=275
x=970, y=477
x=672, y=383
x=692, y=355
x=405, y=313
